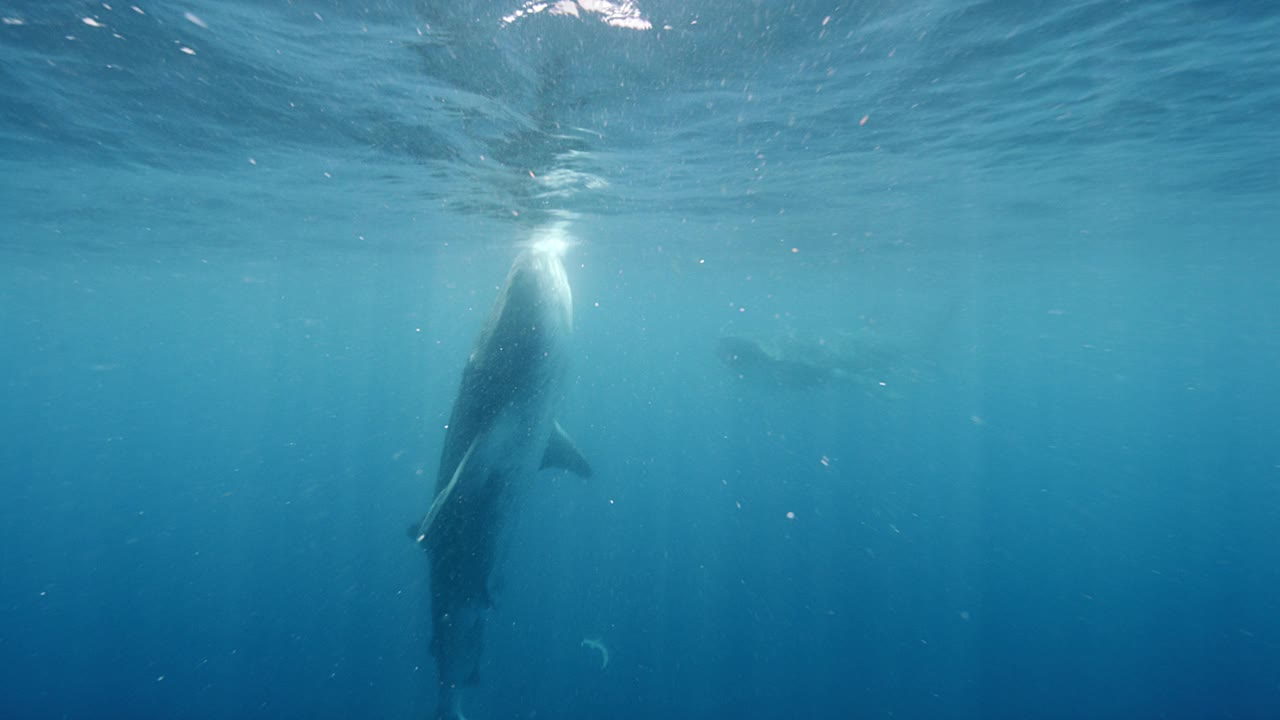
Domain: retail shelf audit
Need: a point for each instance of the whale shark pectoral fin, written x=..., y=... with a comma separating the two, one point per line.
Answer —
x=561, y=453
x=424, y=528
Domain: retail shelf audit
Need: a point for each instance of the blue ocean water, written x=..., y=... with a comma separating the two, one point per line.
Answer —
x=245, y=248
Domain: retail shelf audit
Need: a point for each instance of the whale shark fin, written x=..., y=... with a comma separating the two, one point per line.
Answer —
x=561, y=453
x=450, y=705
x=443, y=496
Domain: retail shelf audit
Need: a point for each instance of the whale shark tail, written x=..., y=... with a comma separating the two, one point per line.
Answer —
x=450, y=705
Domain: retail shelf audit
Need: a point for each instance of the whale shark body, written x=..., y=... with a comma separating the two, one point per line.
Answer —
x=501, y=432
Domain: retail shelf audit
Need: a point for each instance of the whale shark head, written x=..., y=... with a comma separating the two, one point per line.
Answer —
x=538, y=279
x=553, y=238
x=524, y=344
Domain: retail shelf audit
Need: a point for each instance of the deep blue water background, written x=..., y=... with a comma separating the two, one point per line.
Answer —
x=238, y=286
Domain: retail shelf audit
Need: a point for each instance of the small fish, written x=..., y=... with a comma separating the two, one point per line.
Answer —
x=598, y=644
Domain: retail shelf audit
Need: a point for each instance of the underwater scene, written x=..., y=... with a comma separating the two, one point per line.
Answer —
x=902, y=359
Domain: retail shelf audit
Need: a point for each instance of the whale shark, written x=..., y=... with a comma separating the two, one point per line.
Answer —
x=750, y=360
x=501, y=432
x=835, y=360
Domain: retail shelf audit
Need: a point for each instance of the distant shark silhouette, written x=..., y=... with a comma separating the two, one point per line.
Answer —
x=501, y=432
x=840, y=359
x=750, y=361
